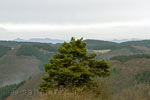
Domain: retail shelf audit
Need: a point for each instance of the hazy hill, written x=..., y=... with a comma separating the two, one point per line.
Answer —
x=99, y=44
x=41, y=40
x=139, y=43
x=125, y=40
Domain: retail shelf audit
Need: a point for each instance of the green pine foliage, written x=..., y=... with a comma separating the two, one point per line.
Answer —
x=73, y=68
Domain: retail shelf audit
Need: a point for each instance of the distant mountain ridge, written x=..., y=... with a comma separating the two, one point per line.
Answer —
x=54, y=41
x=125, y=40
x=41, y=40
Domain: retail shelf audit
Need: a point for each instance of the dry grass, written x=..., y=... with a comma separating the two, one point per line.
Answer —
x=67, y=95
x=137, y=92
x=101, y=92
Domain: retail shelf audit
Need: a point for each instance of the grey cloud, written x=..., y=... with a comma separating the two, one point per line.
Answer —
x=72, y=11
x=3, y=30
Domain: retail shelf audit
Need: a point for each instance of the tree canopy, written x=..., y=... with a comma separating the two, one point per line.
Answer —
x=73, y=67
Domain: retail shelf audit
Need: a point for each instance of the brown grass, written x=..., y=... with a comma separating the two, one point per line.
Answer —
x=67, y=95
x=137, y=92
x=101, y=92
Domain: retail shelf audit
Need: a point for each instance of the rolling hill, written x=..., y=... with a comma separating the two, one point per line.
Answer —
x=21, y=60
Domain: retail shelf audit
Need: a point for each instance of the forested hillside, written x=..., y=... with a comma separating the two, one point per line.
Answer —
x=98, y=44
x=128, y=80
x=140, y=43
x=130, y=57
x=8, y=89
x=4, y=50
x=129, y=61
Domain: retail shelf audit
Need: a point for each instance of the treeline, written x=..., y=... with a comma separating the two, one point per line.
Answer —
x=48, y=47
x=141, y=43
x=99, y=45
x=8, y=43
x=34, y=50
x=130, y=57
x=3, y=50
x=7, y=90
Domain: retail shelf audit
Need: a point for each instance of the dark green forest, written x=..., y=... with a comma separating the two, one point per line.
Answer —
x=4, y=50
x=8, y=89
x=130, y=57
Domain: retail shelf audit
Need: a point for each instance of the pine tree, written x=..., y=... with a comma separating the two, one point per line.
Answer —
x=73, y=67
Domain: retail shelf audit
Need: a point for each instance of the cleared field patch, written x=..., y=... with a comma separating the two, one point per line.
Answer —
x=102, y=51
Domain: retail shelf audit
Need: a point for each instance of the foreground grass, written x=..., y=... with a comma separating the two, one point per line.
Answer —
x=68, y=95
x=101, y=92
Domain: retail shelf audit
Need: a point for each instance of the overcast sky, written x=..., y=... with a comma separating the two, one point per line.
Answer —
x=62, y=19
